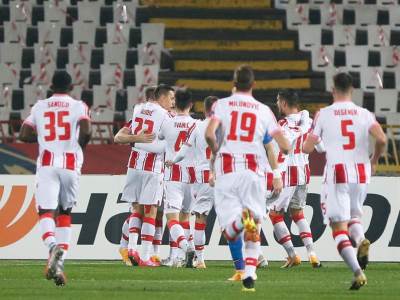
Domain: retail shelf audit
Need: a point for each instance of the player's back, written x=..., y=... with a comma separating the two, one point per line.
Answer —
x=245, y=121
x=202, y=152
x=344, y=129
x=176, y=131
x=57, y=125
x=147, y=118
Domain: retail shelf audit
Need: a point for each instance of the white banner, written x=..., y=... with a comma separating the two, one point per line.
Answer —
x=98, y=217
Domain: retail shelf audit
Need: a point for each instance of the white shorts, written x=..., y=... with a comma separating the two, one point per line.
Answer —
x=203, y=198
x=143, y=187
x=56, y=186
x=178, y=197
x=291, y=196
x=236, y=191
x=342, y=202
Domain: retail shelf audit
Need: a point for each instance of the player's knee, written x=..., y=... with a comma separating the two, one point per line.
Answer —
x=297, y=214
x=275, y=217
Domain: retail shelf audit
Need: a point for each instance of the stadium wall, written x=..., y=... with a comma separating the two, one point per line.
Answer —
x=99, y=214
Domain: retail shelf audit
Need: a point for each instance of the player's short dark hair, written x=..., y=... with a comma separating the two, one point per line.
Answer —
x=162, y=90
x=61, y=82
x=208, y=103
x=183, y=99
x=243, y=78
x=343, y=82
x=290, y=97
x=149, y=93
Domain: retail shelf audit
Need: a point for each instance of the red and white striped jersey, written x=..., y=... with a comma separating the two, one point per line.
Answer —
x=176, y=131
x=149, y=117
x=295, y=164
x=244, y=121
x=202, y=153
x=56, y=121
x=344, y=129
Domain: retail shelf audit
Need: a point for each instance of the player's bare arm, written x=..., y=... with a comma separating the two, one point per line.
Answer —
x=210, y=136
x=283, y=142
x=124, y=136
x=273, y=162
x=310, y=143
x=380, y=143
x=28, y=134
x=85, y=132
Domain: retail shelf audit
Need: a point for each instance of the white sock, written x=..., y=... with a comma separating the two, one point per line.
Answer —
x=47, y=227
x=234, y=229
x=356, y=231
x=305, y=232
x=147, y=235
x=63, y=233
x=346, y=250
x=135, y=223
x=282, y=233
x=251, y=252
x=178, y=235
x=123, y=243
x=199, y=240
x=157, y=237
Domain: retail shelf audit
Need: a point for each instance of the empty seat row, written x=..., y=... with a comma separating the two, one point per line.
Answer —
x=347, y=3
x=16, y=54
x=61, y=12
x=343, y=35
x=330, y=15
x=367, y=78
x=81, y=75
x=81, y=32
x=354, y=57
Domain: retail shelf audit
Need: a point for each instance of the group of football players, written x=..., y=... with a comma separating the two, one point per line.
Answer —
x=239, y=160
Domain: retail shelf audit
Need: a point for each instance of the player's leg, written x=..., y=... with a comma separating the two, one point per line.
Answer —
x=123, y=243
x=252, y=193
x=158, y=235
x=262, y=261
x=278, y=204
x=174, y=192
x=46, y=196
x=358, y=193
x=69, y=186
x=297, y=204
x=135, y=225
x=200, y=239
x=147, y=234
x=236, y=249
x=150, y=197
x=130, y=194
x=338, y=212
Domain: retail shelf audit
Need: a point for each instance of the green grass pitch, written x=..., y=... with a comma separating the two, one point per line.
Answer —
x=112, y=280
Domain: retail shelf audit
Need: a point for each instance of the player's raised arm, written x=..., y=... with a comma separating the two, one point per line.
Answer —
x=314, y=138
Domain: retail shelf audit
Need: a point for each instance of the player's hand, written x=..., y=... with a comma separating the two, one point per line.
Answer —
x=277, y=183
x=143, y=137
x=168, y=163
x=211, y=180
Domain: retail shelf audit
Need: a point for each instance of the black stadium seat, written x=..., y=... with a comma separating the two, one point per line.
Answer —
x=97, y=58
x=66, y=36
x=62, y=58
x=4, y=13
x=28, y=57
x=106, y=15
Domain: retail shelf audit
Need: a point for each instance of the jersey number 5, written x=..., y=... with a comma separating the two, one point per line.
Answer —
x=247, y=125
x=57, y=119
x=349, y=134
